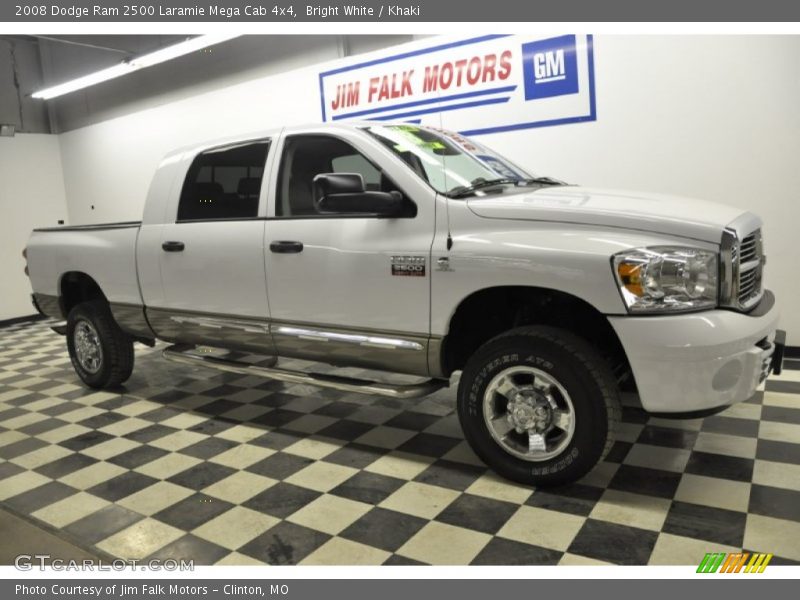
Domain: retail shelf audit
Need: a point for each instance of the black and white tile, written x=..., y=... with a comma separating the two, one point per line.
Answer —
x=229, y=469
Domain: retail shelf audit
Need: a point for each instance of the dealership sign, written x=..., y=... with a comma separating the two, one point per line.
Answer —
x=479, y=85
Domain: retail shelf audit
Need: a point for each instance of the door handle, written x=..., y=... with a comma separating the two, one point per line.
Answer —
x=282, y=247
x=172, y=246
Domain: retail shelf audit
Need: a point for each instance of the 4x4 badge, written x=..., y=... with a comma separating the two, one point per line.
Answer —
x=408, y=266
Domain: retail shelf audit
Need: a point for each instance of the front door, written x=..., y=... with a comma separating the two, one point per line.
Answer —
x=346, y=289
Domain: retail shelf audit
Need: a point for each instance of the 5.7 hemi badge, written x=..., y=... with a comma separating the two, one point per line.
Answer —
x=408, y=266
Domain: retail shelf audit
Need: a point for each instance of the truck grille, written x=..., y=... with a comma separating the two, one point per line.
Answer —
x=745, y=268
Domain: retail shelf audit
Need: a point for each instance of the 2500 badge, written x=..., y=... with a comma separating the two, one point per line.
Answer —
x=408, y=266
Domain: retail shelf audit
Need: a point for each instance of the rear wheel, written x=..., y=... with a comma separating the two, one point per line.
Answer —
x=101, y=353
x=538, y=405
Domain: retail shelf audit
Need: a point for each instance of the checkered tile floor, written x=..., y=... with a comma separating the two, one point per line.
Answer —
x=226, y=469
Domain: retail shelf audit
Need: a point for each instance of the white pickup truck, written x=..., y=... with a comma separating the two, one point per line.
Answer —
x=407, y=249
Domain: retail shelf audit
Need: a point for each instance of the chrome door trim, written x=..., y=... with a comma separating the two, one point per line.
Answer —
x=359, y=339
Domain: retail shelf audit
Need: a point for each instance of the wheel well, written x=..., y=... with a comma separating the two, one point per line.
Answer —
x=489, y=312
x=77, y=287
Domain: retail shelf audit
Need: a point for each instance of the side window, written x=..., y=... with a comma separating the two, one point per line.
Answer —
x=305, y=157
x=224, y=183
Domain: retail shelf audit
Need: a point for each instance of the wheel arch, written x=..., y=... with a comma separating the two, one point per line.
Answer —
x=491, y=311
x=75, y=287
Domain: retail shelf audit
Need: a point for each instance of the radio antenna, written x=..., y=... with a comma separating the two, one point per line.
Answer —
x=446, y=187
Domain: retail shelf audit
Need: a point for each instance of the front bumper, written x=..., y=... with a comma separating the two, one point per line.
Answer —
x=701, y=361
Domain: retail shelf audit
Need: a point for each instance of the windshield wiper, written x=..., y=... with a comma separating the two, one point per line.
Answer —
x=480, y=183
x=541, y=181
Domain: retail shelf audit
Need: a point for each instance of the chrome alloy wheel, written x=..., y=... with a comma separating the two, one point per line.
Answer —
x=88, y=350
x=529, y=413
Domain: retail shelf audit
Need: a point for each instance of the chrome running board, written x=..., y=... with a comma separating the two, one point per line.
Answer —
x=182, y=354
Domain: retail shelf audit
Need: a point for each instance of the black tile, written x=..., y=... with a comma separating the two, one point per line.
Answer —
x=667, y=436
x=785, y=387
x=575, y=498
x=775, y=502
x=370, y=488
x=731, y=426
x=8, y=469
x=403, y=561
x=280, y=465
x=757, y=398
x=117, y=402
x=345, y=430
x=429, y=444
x=278, y=440
x=338, y=410
x=357, y=456
x=60, y=409
x=217, y=407
x=274, y=400
x=208, y=448
x=500, y=551
x=159, y=414
x=453, y=475
x=282, y=499
x=12, y=413
x=719, y=465
x=201, y=475
x=384, y=529
x=136, y=457
x=193, y=511
x=43, y=426
x=784, y=452
x=202, y=552
x=21, y=447
x=222, y=390
x=66, y=465
x=781, y=414
x=44, y=495
x=412, y=420
x=706, y=523
x=284, y=544
x=618, y=452
x=277, y=418
x=102, y=524
x=102, y=420
x=86, y=440
x=26, y=399
x=150, y=433
x=213, y=426
x=478, y=513
x=641, y=480
x=122, y=486
x=170, y=396
x=780, y=561
x=609, y=542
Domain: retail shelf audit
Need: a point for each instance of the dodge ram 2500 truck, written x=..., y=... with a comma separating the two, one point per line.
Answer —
x=412, y=250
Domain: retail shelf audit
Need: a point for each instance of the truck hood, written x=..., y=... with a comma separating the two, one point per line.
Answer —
x=673, y=215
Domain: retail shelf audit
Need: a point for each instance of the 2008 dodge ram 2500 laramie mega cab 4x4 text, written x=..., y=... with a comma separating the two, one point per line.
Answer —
x=408, y=249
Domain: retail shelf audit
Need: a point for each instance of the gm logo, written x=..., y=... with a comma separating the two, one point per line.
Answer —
x=550, y=67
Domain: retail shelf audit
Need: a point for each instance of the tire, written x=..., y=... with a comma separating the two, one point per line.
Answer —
x=513, y=362
x=112, y=364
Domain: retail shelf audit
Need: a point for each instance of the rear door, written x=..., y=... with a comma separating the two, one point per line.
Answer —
x=211, y=257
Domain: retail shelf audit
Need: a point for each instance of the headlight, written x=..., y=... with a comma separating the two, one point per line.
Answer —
x=667, y=279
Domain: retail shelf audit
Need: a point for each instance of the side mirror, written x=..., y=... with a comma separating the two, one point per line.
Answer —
x=345, y=193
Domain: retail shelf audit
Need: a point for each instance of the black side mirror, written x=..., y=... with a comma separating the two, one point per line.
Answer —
x=345, y=193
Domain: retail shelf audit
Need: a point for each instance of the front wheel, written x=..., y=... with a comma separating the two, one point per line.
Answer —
x=538, y=405
x=101, y=353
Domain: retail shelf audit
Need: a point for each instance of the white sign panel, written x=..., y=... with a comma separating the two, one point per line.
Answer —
x=479, y=85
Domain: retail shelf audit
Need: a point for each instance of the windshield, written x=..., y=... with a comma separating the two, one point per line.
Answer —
x=450, y=163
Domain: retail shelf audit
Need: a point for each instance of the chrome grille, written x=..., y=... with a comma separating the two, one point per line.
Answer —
x=743, y=264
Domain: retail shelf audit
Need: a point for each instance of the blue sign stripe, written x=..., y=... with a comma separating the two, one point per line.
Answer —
x=371, y=111
x=436, y=109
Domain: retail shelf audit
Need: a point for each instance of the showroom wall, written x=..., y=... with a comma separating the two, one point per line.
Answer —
x=31, y=195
